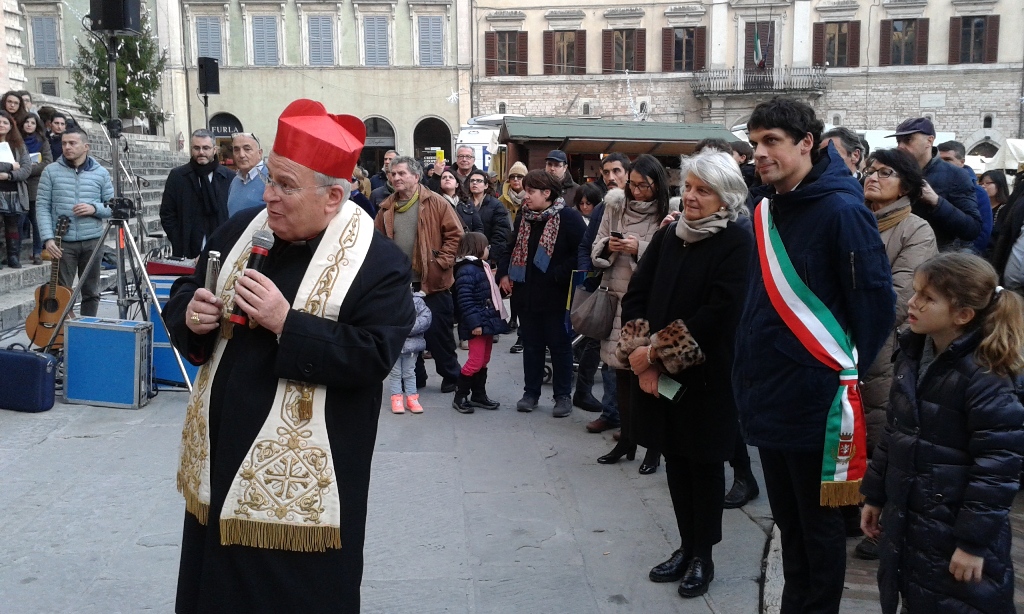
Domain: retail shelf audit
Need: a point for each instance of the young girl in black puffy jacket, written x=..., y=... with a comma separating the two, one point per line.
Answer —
x=941, y=481
x=479, y=312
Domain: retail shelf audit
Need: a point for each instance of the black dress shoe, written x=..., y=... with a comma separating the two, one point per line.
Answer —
x=621, y=449
x=744, y=490
x=651, y=461
x=448, y=385
x=671, y=570
x=697, y=578
x=586, y=402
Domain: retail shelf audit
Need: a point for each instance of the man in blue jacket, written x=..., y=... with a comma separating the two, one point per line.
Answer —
x=955, y=153
x=782, y=391
x=78, y=187
x=947, y=202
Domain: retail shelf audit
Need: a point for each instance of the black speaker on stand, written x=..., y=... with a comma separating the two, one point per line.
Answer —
x=209, y=83
x=116, y=17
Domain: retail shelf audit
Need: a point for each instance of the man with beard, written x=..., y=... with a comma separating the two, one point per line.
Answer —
x=195, y=201
x=295, y=386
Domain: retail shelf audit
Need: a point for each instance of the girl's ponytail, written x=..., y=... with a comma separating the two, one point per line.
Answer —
x=1002, y=344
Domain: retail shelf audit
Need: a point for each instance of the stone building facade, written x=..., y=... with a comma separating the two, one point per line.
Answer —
x=862, y=65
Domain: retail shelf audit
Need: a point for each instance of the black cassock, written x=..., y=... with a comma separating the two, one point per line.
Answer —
x=351, y=357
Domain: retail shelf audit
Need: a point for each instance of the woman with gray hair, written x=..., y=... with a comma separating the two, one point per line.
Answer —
x=680, y=317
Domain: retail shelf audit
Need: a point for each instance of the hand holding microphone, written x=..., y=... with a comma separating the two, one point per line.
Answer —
x=256, y=296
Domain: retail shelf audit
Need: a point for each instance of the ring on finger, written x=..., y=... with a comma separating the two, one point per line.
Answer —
x=195, y=318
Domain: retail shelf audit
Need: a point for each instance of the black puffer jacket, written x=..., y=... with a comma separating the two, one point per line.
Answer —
x=473, y=306
x=945, y=474
x=469, y=217
x=494, y=217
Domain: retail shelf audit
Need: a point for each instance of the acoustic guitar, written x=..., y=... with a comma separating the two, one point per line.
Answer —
x=51, y=299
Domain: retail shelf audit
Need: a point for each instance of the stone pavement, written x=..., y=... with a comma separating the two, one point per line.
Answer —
x=490, y=512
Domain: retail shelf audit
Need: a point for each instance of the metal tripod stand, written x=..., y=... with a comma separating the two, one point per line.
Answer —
x=119, y=221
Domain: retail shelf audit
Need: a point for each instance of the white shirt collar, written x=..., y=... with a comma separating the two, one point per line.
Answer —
x=253, y=172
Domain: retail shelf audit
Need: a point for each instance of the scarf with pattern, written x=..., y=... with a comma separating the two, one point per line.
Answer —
x=546, y=247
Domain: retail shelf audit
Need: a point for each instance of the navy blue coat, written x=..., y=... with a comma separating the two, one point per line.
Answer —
x=469, y=217
x=955, y=220
x=783, y=393
x=494, y=217
x=583, y=260
x=945, y=474
x=473, y=306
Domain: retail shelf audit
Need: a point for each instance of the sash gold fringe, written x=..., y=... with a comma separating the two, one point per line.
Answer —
x=837, y=494
x=227, y=329
x=279, y=536
x=306, y=403
x=195, y=507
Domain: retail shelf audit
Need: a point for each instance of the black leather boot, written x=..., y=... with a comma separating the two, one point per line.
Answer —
x=479, y=396
x=13, y=250
x=744, y=490
x=697, y=578
x=461, y=400
x=673, y=569
x=621, y=449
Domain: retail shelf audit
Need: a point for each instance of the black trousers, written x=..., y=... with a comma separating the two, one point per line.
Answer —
x=590, y=357
x=813, y=536
x=740, y=460
x=698, y=492
x=440, y=338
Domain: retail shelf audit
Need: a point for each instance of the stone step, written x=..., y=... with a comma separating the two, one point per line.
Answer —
x=17, y=304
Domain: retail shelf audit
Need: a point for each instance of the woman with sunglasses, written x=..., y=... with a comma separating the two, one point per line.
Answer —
x=627, y=227
x=892, y=184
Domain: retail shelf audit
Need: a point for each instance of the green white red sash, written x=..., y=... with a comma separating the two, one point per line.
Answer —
x=844, y=460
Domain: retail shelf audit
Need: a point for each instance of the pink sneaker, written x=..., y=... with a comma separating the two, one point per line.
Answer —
x=412, y=401
x=396, y=404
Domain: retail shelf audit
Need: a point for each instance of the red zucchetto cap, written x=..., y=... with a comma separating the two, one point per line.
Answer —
x=330, y=144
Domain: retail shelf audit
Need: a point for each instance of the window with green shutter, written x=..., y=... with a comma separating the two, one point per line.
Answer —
x=208, y=41
x=375, y=40
x=321, y=40
x=44, y=41
x=431, y=41
x=264, y=40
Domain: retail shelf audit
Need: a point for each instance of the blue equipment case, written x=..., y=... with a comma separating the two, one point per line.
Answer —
x=165, y=369
x=28, y=379
x=108, y=362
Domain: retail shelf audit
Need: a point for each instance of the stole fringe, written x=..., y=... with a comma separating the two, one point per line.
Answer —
x=306, y=409
x=279, y=536
x=837, y=494
x=227, y=329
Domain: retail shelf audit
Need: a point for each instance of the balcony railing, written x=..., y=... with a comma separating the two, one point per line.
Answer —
x=740, y=81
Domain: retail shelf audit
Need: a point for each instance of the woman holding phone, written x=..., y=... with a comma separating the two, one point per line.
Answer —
x=681, y=314
x=627, y=227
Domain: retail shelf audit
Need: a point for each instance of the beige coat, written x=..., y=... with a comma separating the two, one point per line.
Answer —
x=908, y=244
x=618, y=267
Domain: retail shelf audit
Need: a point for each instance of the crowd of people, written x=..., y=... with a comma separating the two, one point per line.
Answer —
x=853, y=315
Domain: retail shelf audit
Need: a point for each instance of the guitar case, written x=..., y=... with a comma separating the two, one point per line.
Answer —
x=29, y=379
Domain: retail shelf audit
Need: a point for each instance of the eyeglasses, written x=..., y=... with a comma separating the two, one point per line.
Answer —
x=514, y=177
x=465, y=156
x=477, y=180
x=883, y=173
x=248, y=134
x=643, y=185
x=987, y=183
x=277, y=187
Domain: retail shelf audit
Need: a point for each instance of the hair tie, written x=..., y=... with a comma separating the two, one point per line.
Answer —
x=995, y=295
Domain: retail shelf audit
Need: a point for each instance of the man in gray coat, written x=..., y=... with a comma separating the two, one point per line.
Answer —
x=78, y=187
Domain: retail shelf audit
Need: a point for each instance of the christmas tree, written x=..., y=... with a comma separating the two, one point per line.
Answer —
x=140, y=65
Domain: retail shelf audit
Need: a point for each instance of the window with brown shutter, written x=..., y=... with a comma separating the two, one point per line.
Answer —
x=640, y=53
x=766, y=36
x=607, y=51
x=853, y=47
x=581, y=52
x=922, y=42
x=490, y=54
x=955, y=26
x=563, y=44
x=549, y=52
x=522, y=67
x=700, y=48
x=668, y=40
x=904, y=37
x=885, y=43
x=992, y=39
x=818, y=44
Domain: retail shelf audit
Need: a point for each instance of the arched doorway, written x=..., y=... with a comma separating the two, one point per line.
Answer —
x=223, y=125
x=380, y=137
x=985, y=149
x=430, y=135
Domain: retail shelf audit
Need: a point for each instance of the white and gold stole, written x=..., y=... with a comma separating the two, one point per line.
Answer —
x=284, y=495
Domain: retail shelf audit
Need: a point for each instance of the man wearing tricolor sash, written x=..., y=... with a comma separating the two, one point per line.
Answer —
x=819, y=306
x=280, y=426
